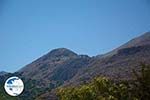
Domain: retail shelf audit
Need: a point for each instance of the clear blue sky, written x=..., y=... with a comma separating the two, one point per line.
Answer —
x=31, y=28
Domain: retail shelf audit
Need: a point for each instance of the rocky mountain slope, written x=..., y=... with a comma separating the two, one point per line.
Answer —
x=117, y=64
x=137, y=41
x=62, y=67
x=56, y=67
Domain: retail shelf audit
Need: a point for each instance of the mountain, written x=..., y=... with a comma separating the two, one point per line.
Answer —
x=138, y=41
x=63, y=67
x=3, y=73
x=56, y=67
x=119, y=63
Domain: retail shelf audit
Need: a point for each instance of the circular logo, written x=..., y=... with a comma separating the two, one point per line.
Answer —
x=14, y=86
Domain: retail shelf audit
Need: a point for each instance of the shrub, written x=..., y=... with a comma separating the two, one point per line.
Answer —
x=101, y=88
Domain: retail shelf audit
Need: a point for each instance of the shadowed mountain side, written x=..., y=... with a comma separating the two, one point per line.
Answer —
x=59, y=65
x=47, y=63
x=138, y=41
x=62, y=67
x=118, y=66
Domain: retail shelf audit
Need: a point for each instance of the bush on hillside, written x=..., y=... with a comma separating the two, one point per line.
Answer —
x=101, y=88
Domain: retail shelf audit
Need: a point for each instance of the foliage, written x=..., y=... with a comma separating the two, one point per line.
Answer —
x=142, y=83
x=4, y=95
x=101, y=88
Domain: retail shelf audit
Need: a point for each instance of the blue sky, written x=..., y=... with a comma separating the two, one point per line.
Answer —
x=31, y=28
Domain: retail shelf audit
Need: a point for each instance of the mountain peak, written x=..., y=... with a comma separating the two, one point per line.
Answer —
x=59, y=52
x=144, y=37
x=147, y=34
x=138, y=41
x=141, y=40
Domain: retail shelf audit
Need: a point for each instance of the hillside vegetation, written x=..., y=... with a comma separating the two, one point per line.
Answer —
x=101, y=88
x=4, y=95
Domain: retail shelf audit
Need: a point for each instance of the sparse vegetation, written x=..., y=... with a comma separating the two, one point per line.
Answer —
x=102, y=88
x=4, y=95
